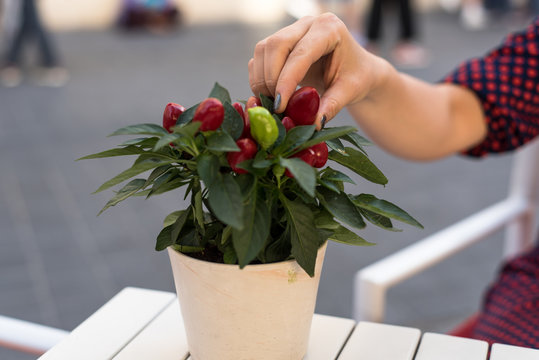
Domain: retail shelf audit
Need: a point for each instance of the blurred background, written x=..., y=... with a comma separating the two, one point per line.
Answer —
x=121, y=62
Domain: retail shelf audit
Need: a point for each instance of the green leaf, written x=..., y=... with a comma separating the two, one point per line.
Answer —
x=295, y=138
x=220, y=93
x=164, y=239
x=136, y=169
x=150, y=156
x=172, y=217
x=229, y=256
x=142, y=193
x=282, y=131
x=340, y=206
x=246, y=183
x=251, y=238
x=324, y=220
x=357, y=140
x=129, y=150
x=212, y=230
x=221, y=141
x=335, y=175
x=278, y=250
x=327, y=134
x=227, y=234
x=385, y=208
x=323, y=235
x=337, y=145
x=156, y=173
x=179, y=225
x=208, y=168
x=266, y=102
x=141, y=129
x=260, y=161
x=187, y=249
x=328, y=184
x=233, y=122
x=346, y=236
x=188, y=130
x=189, y=238
x=165, y=140
x=187, y=116
x=198, y=211
x=378, y=220
x=130, y=189
x=142, y=142
x=304, y=236
x=226, y=201
x=360, y=164
x=167, y=186
x=304, y=174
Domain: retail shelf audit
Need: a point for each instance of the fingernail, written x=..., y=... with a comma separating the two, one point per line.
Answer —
x=277, y=102
x=323, y=122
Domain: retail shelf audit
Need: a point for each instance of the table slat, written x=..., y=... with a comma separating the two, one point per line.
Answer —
x=508, y=352
x=111, y=327
x=163, y=339
x=446, y=347
x=328, y=334
x=372, y=341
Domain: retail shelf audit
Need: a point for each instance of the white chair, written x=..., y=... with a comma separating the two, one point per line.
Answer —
x=517, y=213
x=28, y=337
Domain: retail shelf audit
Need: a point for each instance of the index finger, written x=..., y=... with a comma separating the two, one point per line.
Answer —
x=271, y=54
x=321, y=39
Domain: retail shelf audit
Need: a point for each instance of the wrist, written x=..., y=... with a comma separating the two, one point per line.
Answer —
x=382, y=74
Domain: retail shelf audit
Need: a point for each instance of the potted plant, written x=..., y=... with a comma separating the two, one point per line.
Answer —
x=247, y=251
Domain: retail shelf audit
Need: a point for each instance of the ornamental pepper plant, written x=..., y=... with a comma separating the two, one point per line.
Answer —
x=258, y=196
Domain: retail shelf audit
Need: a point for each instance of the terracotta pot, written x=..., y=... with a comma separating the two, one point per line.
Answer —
x=259, y=312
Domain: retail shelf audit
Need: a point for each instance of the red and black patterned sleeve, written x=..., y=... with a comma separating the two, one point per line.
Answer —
x=506, y=81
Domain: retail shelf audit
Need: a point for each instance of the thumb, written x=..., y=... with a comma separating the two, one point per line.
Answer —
x=331, y=103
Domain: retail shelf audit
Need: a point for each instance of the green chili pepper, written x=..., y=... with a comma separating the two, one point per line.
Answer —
x=263, y=126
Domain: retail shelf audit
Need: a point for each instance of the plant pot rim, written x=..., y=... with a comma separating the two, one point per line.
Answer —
x=266, y=266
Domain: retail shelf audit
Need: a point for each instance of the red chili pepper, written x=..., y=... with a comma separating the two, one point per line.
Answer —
x=171, y=114
x=247, y=151
x=246, y=124
x=288, y=123
x=321, y=154
x=210, y=113
x=303, y=106
x=306, y=155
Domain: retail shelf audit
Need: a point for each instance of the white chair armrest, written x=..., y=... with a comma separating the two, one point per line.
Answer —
x=372, y=282
x=28, y=337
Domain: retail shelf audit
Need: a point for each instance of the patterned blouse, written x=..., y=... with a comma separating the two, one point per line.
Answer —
x=506, y=81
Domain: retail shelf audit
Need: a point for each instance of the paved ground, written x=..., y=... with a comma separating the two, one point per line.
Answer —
x=59, y=262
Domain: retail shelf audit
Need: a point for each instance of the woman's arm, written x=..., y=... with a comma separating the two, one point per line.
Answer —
x=417, y=120
x=404, y=115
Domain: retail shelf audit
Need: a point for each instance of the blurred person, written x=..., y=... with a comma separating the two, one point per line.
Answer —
x=157, y=16
x=488, y=104
x=9, y=15
x=407, y=52
x=29, y=27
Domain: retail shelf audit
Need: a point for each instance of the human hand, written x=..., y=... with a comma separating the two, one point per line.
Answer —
x=319, y=52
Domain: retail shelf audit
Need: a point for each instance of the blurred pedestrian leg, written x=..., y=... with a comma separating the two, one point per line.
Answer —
x=473, y=15
x=30, y=27
x=407, y=53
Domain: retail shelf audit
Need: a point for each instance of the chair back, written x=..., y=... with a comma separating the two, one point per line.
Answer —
x=524, y=185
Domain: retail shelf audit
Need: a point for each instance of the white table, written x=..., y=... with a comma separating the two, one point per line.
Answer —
x=147, y=324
